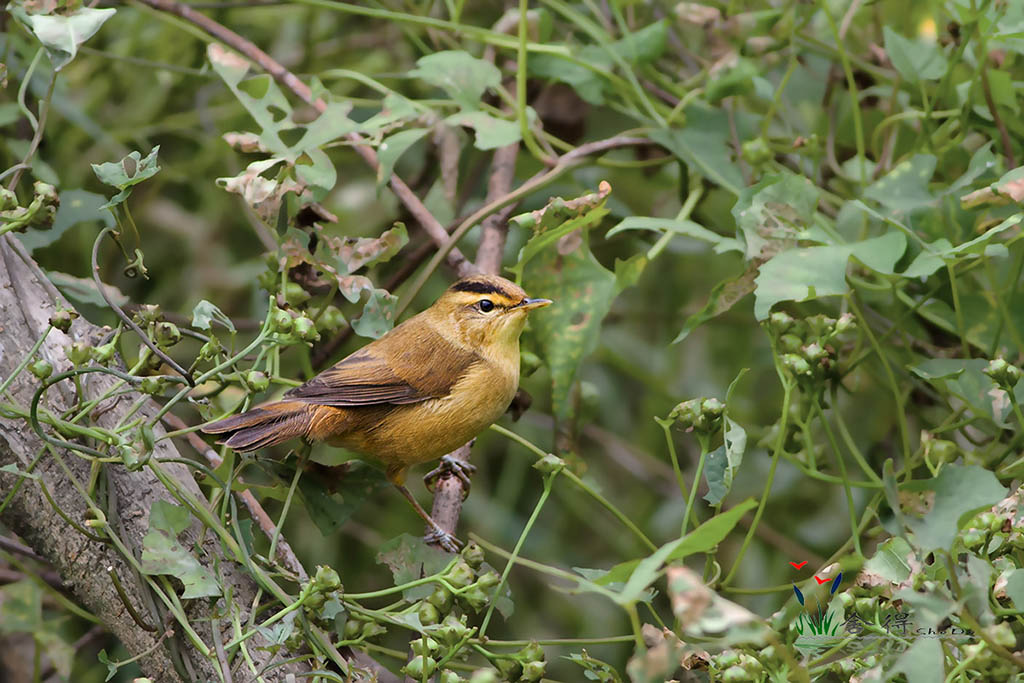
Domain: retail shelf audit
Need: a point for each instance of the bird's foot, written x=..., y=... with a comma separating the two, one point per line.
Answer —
x=444, y=539
x=450, y=467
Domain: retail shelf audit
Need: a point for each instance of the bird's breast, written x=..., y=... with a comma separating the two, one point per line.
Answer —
x=425, y=431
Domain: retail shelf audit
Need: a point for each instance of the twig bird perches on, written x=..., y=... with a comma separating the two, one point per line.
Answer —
x=422, y=390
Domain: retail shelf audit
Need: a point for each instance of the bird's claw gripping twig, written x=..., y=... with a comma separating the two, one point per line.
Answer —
x=444, y=539
x=450, y=467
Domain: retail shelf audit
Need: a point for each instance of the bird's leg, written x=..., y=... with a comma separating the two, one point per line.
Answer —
x=437, y=534
x=450, y=467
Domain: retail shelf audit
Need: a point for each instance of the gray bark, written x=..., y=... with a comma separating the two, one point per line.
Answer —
x=27, y=300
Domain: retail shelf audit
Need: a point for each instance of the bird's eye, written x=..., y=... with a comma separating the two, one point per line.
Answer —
x=486, y=305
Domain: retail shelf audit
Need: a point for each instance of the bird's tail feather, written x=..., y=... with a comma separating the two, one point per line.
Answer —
x=264, y=426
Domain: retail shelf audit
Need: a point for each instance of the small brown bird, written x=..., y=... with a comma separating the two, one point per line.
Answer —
x=422, y=390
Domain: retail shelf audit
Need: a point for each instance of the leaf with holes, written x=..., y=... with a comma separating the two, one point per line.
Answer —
x=353, y=253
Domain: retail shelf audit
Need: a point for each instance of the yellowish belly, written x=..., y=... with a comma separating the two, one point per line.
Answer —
x=421, y=432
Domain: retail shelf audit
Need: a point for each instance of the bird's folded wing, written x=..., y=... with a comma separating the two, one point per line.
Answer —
x=419, y=369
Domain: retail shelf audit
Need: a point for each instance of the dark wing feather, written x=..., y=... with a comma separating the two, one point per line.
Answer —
x=412, y=367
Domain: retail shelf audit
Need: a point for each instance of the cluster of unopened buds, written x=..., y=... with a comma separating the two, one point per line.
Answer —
x=806, y=345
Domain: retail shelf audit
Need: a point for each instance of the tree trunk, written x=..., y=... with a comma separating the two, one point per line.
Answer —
x=27, y=300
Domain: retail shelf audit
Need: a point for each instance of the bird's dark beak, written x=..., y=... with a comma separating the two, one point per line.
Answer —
x=530, y=304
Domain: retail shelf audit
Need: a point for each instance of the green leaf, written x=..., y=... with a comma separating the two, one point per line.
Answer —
x=330, y=503
x=378, y=315
x=131, y=170
x=688, y=228
x=556, y=263
x=639, y=574
x=915, y=60
x=1015, y=588
x=721, y=465
x=392, y=148
x=965, y=379
x=205, y=313
x=723, y=297
x=21, y=610
x=922, y=662
x=84, y=290
x=704, y=146
x=960, y=491
x=803, y=274
x=643, y=46
x=162, y=553
x=780, y=207
x=127, y=173
x=62, y=35
x=491, y=132
x=110, y=664
x=464, y=77
x=76, y=206
x=890, y=560
x=588, y=84
x=905, y=187
x=409, y=558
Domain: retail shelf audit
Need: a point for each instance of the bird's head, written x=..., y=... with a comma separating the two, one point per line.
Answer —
x=485, y=311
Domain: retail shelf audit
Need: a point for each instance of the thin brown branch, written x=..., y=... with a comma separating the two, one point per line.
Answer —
x=412, y=203
x=1004, y=135
x=285, y=553
x=12, y=546
x=450, y=491
x=495, y=228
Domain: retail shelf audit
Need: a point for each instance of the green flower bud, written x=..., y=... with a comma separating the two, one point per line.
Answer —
x=814, y=352
x=326, y=579
x=735, y=674
x=510, y=669
x=796, y=365
x=210, y=349
x=475, y=597
x=488, y=579
x=425, y=646
x=420, y=667
x=167, y=334
x=428, y=613
x=780, y=322
x=449, y=676
x=756, y=152
x=304, y=329
x=353, y=627
x=41, y=368
x=484, y=676
x=972, y=539
x=105, y=353
x=845, y=323
x=453, y=629
x=283, y=322
x=712, y=407
x=148, y=313
x=460, y=575
x=727, y=659
x=154, y=386
x=473, y=554
x=532, y=671
x=790, y=343
x=79, y=352
x=62, y=319
x=549, y=463
x=8, y=200
x=314, y=601
x=865, y=607
x=442, y=599
x=256, y=380
x=531, y=652
x=295, y=294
